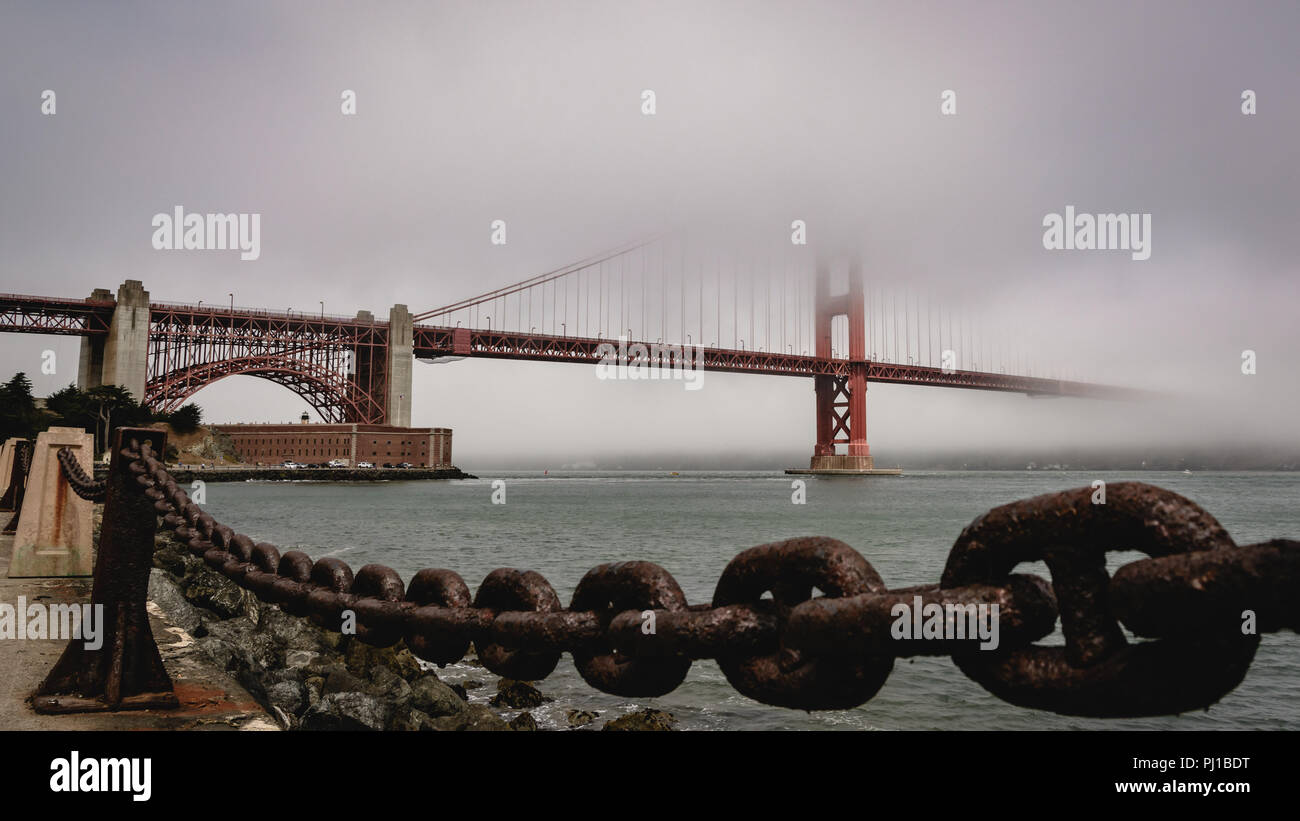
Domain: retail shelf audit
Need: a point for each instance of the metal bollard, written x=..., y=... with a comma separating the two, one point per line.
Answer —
x=126, y=672
x=21, y=463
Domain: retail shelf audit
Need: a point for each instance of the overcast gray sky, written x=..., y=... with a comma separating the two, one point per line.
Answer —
x=766, y=112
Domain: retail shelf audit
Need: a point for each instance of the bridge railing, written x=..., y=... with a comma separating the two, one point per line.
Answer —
x=240, y=310
x=92, y=303
x=632, y=633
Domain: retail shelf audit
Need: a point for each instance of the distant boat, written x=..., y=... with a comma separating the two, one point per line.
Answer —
x=1186, y=471
x=674, y=473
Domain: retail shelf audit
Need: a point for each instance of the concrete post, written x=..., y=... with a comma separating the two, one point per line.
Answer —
x=401, y=362
x=7, y=463
x=126, y=351
x=56, y=526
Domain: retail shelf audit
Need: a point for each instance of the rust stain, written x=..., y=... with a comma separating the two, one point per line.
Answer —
x=195, y=697
x=60, y=502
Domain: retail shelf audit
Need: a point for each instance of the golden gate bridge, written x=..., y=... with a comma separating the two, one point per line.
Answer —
x=786, y=312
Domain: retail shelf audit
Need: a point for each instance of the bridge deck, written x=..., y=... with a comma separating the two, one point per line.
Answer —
x=432, y=342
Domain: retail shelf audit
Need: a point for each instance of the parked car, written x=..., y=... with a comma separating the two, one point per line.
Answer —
x=365, y=465
x=388, y=464
x=406, y=465
x=338, y=463
x=292, y=465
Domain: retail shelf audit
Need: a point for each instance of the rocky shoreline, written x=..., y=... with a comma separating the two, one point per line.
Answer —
x=309, y=678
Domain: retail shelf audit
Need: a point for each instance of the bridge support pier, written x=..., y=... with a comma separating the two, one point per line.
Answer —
x=401, y=363
x=90, y=363
x=842, y=400
x=123, y=357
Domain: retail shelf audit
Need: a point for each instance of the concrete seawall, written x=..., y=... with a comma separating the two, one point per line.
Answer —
x=182, y=474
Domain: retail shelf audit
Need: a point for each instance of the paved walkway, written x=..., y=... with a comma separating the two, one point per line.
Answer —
x=209, y=698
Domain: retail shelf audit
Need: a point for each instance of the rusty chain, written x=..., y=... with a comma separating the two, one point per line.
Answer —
x=81, y=484
x=778, y=644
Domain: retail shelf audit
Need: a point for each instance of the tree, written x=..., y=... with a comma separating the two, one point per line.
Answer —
x=72, y=408
x=102, y=410
x=18, y=413
x=115, y=408
x=186, y=418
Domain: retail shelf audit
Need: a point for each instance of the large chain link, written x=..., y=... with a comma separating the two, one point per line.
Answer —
x=632, y=633
x=81, y=484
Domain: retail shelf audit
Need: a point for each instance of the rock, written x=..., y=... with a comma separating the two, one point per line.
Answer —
x=258, y=653
x=250, y=649
x=644, y=721
x=435, y=698
x=523, y=721
x=405, y=664
x=251, y=607
x=389, y=686
x=580, y=718
x=347, y=711
x=475, y=717
x=290, y=632
x=167, y=594
x=315, y=687
x=287, y=720
x=217, y=650
x=325, y=668
x=213, y=591
x=360, y=658
x=288, y=696
x=412, y=720
x=231, y=631
x=168, y=558
x=518, y=694
x=300, y=659
x=471, y=684
x=459, y=689
x=342, y=682
x=289, y=674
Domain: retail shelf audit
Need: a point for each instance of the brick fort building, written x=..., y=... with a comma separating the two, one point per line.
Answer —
x=319, y=443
